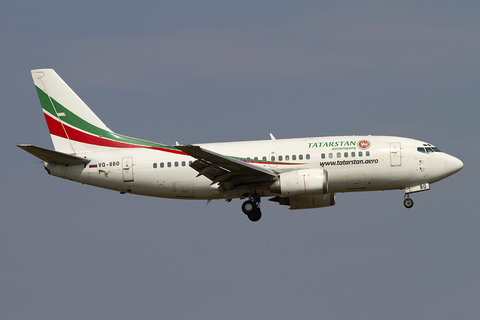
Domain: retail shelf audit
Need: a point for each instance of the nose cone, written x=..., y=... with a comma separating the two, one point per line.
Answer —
x=452, y=164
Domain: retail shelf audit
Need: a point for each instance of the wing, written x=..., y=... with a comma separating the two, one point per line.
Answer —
x=228, y=172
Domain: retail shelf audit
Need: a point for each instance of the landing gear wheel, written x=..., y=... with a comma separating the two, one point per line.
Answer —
x=251, y=209
x=255, y=215
x=408, y=203
x=248, y=207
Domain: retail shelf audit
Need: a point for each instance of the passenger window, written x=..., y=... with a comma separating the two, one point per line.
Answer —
x=353, y=154
x=330, y=155
x=280, y=158
x=248, y=159
x=308, y=156
x=176, y=163
x=300, y=157
x=323, y=155
x=155, y=165
x=255, y=159
x=294, y=157
x=183, y=163
x=169, y=164
x=190, y=162
x=264, y=158
x=367, y=153
x=345, y=154
x=339, y=154
x=162, y=165
x=360, y=153
x=272, y=158
x=287, y=158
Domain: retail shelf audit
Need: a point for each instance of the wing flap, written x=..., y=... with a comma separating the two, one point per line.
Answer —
x=207, y=169
x=51, y=156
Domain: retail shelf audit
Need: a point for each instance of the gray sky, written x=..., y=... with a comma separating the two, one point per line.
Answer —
x=226, y=71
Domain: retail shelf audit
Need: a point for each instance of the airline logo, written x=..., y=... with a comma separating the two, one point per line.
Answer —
x=364, y=144
x=342, y=145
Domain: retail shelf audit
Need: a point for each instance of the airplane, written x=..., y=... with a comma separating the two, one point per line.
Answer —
x=302, y=173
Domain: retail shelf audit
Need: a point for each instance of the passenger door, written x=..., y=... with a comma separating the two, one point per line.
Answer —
x=127, y=169
x=395, y=154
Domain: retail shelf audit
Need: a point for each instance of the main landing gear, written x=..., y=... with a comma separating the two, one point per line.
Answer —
x=408, y=203
x=251, y=209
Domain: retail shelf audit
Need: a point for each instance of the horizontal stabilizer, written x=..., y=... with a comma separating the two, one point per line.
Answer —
x=51, y=156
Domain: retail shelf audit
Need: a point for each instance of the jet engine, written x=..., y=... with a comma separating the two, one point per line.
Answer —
x=306, y=182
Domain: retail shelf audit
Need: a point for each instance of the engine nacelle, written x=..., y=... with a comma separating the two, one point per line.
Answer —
x=306, y=182
x=325, y=200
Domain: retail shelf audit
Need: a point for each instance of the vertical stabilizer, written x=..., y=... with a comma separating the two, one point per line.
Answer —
x=74, y=128
x=67, y=116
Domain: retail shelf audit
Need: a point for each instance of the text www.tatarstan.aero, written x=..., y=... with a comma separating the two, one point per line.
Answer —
x=347, y=162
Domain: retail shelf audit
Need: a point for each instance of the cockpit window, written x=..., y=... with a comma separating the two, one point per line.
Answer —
x=428, y=148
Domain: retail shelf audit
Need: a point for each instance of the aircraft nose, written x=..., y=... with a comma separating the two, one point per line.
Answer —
x=452, y=164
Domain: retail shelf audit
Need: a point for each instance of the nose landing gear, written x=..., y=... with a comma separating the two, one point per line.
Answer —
x=408, y=203
x=251, y=209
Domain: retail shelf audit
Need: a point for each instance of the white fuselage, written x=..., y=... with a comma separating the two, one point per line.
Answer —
x=384, y=163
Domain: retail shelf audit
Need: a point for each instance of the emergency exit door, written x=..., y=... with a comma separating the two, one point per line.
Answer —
x=127, y=169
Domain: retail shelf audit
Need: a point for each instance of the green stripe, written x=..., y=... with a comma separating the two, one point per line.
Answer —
x=75, y=121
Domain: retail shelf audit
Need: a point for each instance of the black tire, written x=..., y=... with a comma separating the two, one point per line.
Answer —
x=255, y=216
x=408, y=203
x=248, y=207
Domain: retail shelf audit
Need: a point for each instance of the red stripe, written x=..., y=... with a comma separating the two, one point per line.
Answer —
x=56, y=129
